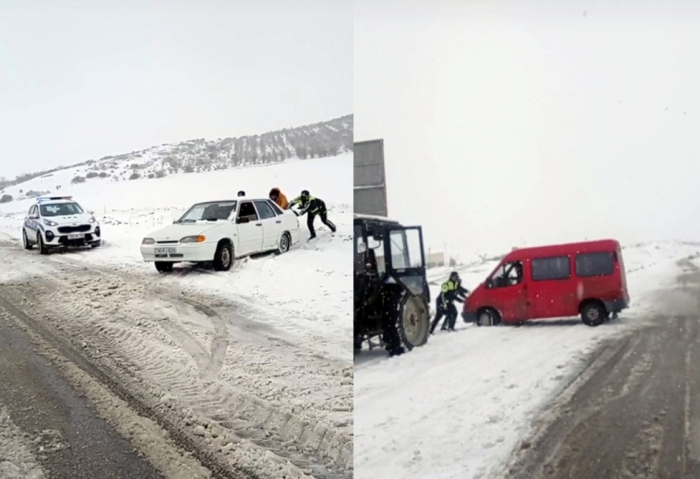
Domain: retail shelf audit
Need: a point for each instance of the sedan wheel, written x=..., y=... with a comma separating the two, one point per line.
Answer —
x=223, y=259
x=284, y=244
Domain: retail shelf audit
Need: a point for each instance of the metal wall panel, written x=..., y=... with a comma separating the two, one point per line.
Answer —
x=370, y=178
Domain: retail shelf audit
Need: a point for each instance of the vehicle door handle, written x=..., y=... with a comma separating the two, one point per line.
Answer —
x=258, y=224
x=278, y=221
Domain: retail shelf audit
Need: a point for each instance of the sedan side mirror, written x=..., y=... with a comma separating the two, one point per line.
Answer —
x=489, y=283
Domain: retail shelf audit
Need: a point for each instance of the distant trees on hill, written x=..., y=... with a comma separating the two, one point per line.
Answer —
x=328, y=138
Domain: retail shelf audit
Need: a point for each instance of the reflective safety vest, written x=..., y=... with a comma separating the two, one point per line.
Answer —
x=449, y=285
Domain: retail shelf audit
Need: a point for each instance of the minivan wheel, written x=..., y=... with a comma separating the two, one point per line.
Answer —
x=487, y=317
x=593, y=314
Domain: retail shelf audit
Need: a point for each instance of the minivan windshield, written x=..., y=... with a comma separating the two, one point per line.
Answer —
x=61, y=209
x=212, y=211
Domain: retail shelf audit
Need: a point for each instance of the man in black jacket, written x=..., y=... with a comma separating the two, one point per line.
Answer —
x=452, y=291
x=312, y=206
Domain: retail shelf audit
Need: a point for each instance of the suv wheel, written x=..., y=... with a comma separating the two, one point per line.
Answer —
x=40, y=244
x=25, y=240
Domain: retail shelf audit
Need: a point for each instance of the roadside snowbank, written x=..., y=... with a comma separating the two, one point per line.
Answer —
x=458, y=406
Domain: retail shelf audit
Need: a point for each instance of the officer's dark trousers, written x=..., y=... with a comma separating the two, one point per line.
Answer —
x=450, y=313
x=324, y=219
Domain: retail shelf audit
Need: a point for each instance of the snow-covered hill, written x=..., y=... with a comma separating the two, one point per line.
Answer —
x=456, y=407
x=320, y=140
x=307, y=292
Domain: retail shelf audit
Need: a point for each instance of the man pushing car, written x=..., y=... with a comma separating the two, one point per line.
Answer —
x=312, y=206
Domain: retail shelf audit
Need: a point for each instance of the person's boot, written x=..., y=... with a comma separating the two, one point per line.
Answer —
x=311, y=237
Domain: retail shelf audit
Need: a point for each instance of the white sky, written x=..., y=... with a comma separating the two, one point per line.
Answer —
x=507, y=125
x=82, y=80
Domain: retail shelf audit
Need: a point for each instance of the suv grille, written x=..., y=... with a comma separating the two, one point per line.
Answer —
x=73, y=229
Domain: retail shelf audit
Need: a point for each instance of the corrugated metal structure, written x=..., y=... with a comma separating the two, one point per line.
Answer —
x=370, y=178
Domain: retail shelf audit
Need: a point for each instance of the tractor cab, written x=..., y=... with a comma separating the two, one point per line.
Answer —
x=391, y=290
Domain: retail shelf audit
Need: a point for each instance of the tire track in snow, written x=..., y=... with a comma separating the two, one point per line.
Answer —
x=113, y=316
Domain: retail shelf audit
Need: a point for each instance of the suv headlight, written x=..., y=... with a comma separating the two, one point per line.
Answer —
x=193, y=239
x=148, y=241
x=50, y=223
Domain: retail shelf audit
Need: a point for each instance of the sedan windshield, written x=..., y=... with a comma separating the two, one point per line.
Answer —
x=61, y=209
x=209, y=212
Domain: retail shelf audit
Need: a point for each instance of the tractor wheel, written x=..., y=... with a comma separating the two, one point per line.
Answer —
x=413, y=321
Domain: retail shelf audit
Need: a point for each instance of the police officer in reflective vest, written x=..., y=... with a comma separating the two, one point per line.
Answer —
x=452, y=291
x=312, y=206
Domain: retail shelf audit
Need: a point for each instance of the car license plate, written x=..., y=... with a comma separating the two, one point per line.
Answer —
x=164, y=250
x=70, y=237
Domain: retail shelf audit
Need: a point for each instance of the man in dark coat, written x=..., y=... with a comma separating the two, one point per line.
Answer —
x=312, y=206
x=452, y=291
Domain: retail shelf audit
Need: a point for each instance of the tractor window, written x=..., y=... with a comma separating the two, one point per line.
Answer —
x=415, y=248
x=399, y=250
x=406, y=249
x=359, y=256
x=375, y=255
x=509, y=274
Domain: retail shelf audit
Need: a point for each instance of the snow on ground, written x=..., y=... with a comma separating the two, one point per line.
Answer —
x=457, y=407
x=280, y=287
x=16, y=458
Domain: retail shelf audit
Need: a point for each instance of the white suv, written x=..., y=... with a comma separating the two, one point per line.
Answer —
x=58, y=221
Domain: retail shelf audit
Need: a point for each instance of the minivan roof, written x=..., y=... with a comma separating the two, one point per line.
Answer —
x=562, y=249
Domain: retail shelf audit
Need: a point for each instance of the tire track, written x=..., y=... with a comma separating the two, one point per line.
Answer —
x=636, y=413
x=239, y=398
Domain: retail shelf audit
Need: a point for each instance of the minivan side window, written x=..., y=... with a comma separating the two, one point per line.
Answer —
x=595, y=264
x=544, y=269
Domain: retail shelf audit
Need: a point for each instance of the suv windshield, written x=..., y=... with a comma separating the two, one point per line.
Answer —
x=61, y=209
x=209, y=212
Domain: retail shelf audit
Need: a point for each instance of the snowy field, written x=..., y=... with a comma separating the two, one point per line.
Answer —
x=279, y=287
x=457, y=407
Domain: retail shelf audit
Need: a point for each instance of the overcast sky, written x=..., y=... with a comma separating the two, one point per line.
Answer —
x=506, y=125
x=83, y=80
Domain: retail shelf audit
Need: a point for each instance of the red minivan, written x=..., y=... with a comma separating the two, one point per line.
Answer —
x=552, y=282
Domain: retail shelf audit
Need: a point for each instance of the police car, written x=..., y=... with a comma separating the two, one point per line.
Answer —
x=58, y=221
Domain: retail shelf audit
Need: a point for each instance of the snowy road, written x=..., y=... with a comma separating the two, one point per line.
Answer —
x=458, y=407
x=637, y=412
x=197, y=388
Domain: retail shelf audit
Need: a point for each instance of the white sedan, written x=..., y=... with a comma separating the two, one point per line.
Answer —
x=220, y=231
